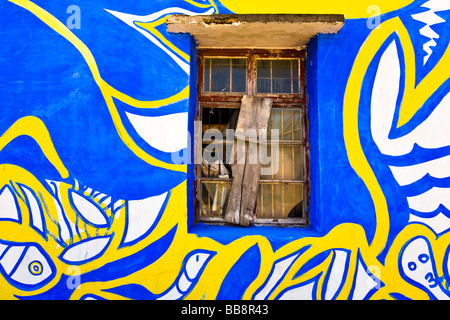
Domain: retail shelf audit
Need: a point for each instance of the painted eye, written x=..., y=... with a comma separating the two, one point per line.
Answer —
x=35, y=268
x=412, y=266
x=26, y=265
x=423, y=258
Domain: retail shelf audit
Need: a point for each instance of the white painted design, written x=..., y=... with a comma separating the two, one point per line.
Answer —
x=142, y=215
x=167, y=133
x=439, y=223
x=279, y=270
x=10, y=258
x=3, y=247
x=418, y=267
x=129, y=19
x=8, y=208
x=89, y=211
x=432, y=133
x=33, y=268
x=85, y=250
x=65, y=225
x=187, y=276
x=336, y=274
x=195, y=263
x=172, y=294
x=25, y=265
x=437, y=168
x=364, y=283
x=429, y=201
x=35, y=210
x=304, y=292
x=430, y=18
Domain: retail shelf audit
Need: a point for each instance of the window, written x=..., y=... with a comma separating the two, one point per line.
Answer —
x=224, y=77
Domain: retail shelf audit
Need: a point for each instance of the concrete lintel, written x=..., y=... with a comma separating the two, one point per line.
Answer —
x=255, y=30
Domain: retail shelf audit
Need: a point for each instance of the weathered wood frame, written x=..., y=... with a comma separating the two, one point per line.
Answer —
x=233, y=101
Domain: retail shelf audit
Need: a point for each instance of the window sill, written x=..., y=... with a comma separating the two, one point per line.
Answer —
x=277, y=236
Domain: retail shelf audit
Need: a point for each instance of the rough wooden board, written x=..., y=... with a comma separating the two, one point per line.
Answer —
x=232, y=213
x=254, y=116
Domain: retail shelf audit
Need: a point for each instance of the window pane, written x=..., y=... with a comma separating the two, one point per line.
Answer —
x=263, y=76
x=289, y=160
x=281, y=76
x=220, y=75
x=277, y=76
x=225, y=75
x=288, y=122
x=219, y=118
x=274, y=200
x=279, y=201
x=213, y=198
x=295, y=77
x=239, y=75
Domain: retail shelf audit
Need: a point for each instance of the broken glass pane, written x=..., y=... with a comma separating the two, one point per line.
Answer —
x=288, y=123
x=280, y=201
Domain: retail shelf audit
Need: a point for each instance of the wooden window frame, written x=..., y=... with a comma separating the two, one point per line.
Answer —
x=233, y=101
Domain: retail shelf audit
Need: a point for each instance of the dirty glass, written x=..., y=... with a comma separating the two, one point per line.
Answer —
x=274, y=200
x=279, y=201
x=225, y=75
x=284, y=162
x=214, y=195
x=288, y=122
x=277, y=76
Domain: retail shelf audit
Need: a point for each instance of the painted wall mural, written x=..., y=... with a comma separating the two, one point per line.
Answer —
x=95, y=102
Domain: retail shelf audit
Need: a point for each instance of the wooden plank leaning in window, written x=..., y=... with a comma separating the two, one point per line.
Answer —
x=253, y=117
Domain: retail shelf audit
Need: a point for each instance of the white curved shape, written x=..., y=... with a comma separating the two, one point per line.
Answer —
x=129, y=19
x=88, y=210
x=384, y=100
x=194, y=264
x=8, y=208
x=439, y=223
x=429, y=201
x=34, y=210
x=433, y=132
x=364, y=283
x=173, y=294
x=336, y=274
x=438, y=168
x=3, y=247
x=85, y=250
x=184, y=283
x=65, y=227
x=10, y=257
x=167, y=133
x=278, y=272
x=299, y=293
x=142, y=215
x=437, y=5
